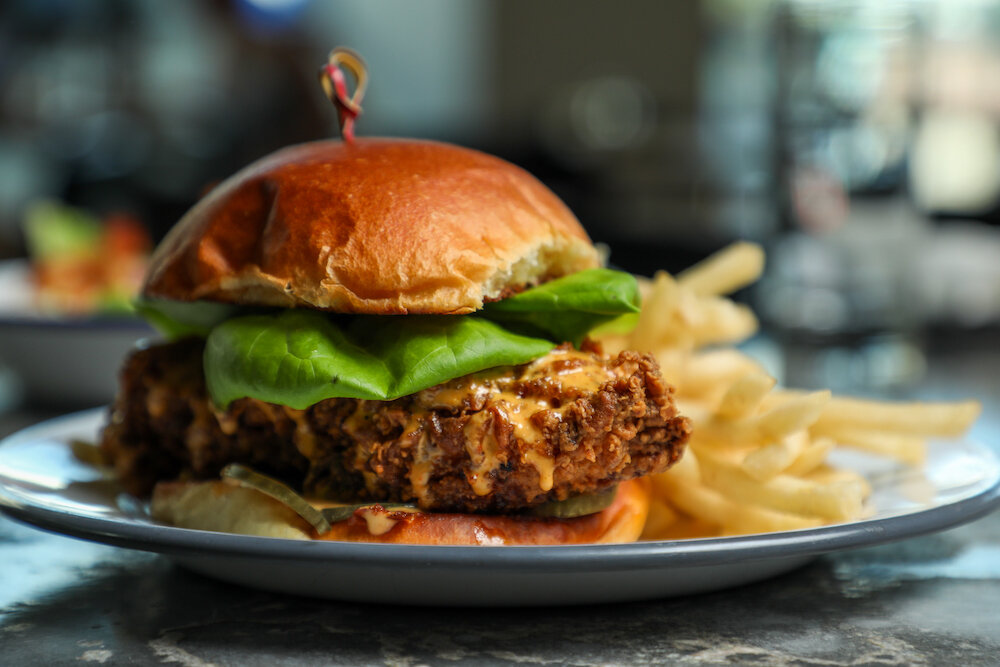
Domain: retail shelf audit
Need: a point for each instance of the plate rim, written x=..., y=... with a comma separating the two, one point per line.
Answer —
x=700, y=552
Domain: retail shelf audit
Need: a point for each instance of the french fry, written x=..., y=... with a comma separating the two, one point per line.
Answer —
x=686, y=467
x=770, y=460
x=673, y=365
x=676, y=317
x=840, y=501
x=811, y=457
x=794, y=415
x=911, y=449
x=661, y=516
x=698, y=500
x=757, y=457
x=715, y=507
x=744, y=396
x=771, y=427
x=947, y=420
x=655, y=327
x=730, y=453
x=715, y=320
x=709, y=374
x=726, y=435
x=779, y=396
x=827, y=474
x=731, y=268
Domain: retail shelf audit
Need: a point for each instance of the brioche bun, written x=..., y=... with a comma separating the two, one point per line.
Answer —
x=222, y=507
x=380, y=226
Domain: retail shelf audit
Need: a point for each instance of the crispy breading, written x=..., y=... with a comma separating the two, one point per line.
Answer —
x=502, y=440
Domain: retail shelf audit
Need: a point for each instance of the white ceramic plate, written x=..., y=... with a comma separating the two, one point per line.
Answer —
x=63, y=360
x=42, y=484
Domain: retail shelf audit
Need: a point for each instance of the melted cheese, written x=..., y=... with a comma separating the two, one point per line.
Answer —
x=416, y=438
x=353, y=424
x=305, y=439
x=379, y=522
x=518, y=412
x=576, y=371
x=545, y=465
x=227, y=422
x=482, y=447
x=456, y=397
x=420, y=477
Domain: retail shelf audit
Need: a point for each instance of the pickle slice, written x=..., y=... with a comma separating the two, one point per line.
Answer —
x=235, y=473
x=344, y=512
x=590, y=503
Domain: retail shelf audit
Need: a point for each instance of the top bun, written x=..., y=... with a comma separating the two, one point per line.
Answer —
x=379, y=226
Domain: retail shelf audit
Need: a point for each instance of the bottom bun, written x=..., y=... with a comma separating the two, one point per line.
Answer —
x=222, y=507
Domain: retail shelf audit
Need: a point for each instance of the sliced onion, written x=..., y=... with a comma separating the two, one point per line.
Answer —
x=243, y=476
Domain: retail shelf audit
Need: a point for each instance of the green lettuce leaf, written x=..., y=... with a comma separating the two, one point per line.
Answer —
x=618, y=326
x=567, y=308
x=298, y=358
x=176, y=319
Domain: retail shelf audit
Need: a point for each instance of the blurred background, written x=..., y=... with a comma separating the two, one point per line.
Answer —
x=859, y=141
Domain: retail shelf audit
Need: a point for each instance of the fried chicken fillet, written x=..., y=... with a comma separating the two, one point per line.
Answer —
x=570, y=423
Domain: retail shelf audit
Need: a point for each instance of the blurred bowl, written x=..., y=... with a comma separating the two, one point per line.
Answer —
x=61, y=360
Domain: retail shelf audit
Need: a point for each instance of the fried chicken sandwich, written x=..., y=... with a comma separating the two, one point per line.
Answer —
x=397, y=332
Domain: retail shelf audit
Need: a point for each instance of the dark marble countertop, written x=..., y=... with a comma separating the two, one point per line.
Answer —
x=926, y=601
x=932, y=600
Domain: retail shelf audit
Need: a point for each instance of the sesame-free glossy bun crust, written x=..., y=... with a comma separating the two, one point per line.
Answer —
x=379, y=226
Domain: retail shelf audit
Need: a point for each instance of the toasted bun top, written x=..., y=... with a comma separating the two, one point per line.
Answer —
x=379, y=226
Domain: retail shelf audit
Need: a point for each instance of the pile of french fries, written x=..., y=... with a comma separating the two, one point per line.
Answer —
x=758, y=458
